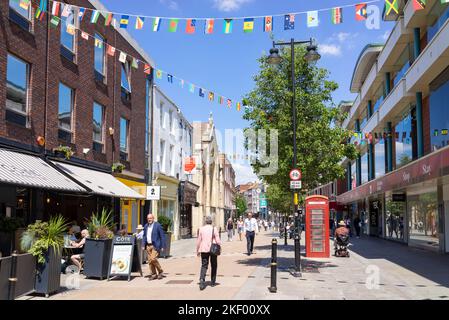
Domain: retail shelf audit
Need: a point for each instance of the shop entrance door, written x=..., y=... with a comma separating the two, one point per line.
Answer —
x=186, y=221
x=374, y=210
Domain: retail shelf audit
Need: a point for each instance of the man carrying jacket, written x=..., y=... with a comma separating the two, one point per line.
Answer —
x=154, y=243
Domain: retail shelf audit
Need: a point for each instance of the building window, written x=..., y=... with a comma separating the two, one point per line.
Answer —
x=436, y=19
x=99, y=57
x=161, y=115
x=170, y=121
x=439, y=112
x=353, y=175
x=17, y=76
x=20, y=14
x=404, y=137
x=423, y=218
x=126, y=81
x=379, y=97
x=171, y=161
x=162, y=156
x=364, y=168
x=403, y=63
x=68, y=32
x=98, y=120
x=379, y=158
x=124, y=139
x=65, y=109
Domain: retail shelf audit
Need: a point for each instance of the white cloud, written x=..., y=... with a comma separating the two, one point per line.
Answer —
x=173, y=5
x=329, y=49
x=342, y=36
x=230, y=5
x=243, y=174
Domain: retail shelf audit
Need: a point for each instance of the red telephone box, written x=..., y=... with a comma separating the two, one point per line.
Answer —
x=317, y=227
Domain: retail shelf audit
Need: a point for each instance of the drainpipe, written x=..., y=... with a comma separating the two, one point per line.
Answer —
x=419, y=125
x=390, y=147
x=417, y=42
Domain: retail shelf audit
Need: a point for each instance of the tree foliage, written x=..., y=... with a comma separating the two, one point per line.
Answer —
x=279, y=200
x=240, y=203
x=321, y=144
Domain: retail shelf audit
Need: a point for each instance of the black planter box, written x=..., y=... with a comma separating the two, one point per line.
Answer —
x=97, y=254
x=6, y=240
x=48, y=277
x=166, y=252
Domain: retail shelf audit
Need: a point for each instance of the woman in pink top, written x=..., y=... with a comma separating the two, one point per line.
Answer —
x=203, y=245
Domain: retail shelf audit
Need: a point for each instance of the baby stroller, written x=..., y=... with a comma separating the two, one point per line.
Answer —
x=341, y=246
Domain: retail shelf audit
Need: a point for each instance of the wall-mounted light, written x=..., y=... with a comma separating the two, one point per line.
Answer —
x=48, y=200
x=111, y=131
x=40, y=141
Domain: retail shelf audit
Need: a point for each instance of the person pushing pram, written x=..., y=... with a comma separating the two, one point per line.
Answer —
x=341, y=241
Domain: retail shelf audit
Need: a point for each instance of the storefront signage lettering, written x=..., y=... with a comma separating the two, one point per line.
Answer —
x=406, y=176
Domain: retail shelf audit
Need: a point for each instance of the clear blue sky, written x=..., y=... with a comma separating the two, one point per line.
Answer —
x=226, y=63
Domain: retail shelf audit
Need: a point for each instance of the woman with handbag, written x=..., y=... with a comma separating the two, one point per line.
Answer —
x=208, y=246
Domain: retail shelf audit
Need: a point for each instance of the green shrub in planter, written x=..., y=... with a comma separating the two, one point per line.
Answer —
x=165, y=222
x=45, y=241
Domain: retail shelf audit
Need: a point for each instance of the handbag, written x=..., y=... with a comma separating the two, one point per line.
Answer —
x=215, y=249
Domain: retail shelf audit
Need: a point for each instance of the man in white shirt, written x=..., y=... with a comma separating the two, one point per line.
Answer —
x=250, y=228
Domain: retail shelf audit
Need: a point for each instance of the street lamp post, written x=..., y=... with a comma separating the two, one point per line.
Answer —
x=311, y=56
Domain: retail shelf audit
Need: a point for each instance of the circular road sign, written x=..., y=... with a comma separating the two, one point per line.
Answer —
x=295, y=174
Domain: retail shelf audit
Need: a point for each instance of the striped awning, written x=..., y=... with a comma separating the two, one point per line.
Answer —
x=101, y=183
x=31, y=171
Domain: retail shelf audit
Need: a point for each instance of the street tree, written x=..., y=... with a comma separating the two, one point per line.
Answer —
x=321, y=142
x=240, y=203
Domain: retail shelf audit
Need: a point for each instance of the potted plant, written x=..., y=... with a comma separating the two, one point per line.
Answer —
x=97, y=251
x=8, y=226
x=166, y=223
x=118, y=167
x=45, y=240
x=63, y=151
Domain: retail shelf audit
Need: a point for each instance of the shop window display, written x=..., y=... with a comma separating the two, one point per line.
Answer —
x=395, y=212
x=423, y=219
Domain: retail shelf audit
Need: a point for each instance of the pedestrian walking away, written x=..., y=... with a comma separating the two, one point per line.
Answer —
x=207, y=235
x=154, y=242
x=357, y=225
x=240, y=227
x=250, y=228
x=230, y=229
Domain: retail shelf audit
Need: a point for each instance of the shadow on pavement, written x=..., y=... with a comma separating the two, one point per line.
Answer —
x=430, y=265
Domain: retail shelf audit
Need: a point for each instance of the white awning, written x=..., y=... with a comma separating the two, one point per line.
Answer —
x=31, y=171
x=99, y=182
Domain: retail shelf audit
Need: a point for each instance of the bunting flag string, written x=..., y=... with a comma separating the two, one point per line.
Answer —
x=123, y=57
x=249, y=22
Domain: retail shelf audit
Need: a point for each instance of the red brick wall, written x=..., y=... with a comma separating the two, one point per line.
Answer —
x=31, y=47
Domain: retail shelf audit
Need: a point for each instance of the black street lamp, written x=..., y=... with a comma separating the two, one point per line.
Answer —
x=274, y=59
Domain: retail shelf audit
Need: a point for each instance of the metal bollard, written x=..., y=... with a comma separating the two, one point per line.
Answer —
x=13, y=276
x=273, y=287
x=297, y=270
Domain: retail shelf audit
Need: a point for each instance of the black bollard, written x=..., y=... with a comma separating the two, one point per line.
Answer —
x=273, y=287
x=13, y=276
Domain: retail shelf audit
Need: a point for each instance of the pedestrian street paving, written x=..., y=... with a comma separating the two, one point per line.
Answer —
x=377, y=269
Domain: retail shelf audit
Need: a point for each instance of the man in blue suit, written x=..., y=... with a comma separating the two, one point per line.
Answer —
x=154, y=243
